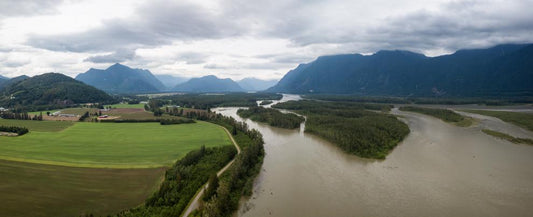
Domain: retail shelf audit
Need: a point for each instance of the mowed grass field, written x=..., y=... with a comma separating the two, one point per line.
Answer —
x=28, y=189
x=42, y=126
x=109, y=145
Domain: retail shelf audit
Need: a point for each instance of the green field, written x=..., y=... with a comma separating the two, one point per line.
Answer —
x=110, y=145
x=28, y=189
x=41, y=126
x=524, y=120
x=121, y=105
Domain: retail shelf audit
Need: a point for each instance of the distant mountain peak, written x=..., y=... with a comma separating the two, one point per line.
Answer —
x=209, y=83
x=119, y=78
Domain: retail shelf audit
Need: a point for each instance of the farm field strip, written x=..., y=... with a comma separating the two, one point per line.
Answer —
x=29, y=189
x=112, y=145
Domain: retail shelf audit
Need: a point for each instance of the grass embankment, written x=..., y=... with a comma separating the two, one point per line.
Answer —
x=273, y=117
x=508, y=137
x=183, y=180
x=524, y=120
x=443, y=114
x=109, y=145
x=45, y=190
x=351, y=126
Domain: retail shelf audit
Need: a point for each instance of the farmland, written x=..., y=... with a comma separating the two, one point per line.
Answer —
x=42, y=126
x=64, y=168
x=111, y=145
x=45, y=190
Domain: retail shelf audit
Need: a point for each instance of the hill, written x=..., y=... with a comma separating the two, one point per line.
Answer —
x=255, y=84
x=49, y=90
x=504, y=70
x=7, y=81
x=170, y=81
x=121, y=79
x=209, y=83
x=3, y=80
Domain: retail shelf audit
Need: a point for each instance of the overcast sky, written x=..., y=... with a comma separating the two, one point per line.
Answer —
x=242, y=38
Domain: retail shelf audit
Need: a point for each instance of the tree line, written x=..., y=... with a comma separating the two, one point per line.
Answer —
x=182, y=181
x=12, y=129
x=21, y=116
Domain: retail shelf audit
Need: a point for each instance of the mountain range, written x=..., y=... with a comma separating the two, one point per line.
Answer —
x=209, y=83
x=122, y=79
x=504, y=70
x=49, y=90
x=170, y=81
x=255, y=84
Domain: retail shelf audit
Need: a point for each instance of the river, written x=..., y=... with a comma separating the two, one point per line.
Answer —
x=438, y=170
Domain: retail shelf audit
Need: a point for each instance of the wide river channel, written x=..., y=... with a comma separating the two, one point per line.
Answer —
x=438, y=170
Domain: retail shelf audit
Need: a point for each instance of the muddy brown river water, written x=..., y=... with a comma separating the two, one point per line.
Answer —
x=438, y=170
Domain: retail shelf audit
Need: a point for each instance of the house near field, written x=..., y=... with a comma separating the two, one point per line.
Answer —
x=2, y=109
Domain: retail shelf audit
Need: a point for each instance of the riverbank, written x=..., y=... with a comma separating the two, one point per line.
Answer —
x=438, y=170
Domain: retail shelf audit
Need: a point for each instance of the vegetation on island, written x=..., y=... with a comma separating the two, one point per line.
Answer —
x=273, y=117
x=351, y=126
x=443, y=114
x=266, y=102
x=508, y=137
x=521, y=119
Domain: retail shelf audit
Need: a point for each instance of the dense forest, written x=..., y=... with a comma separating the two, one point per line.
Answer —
x=351, y=126
x=273, y=117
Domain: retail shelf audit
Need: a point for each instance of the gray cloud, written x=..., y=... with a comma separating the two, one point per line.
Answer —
x=116, y=57
x=464, y=24
x=155, y=23
x=192, y=57
x=453, y=25
x=27, y=7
